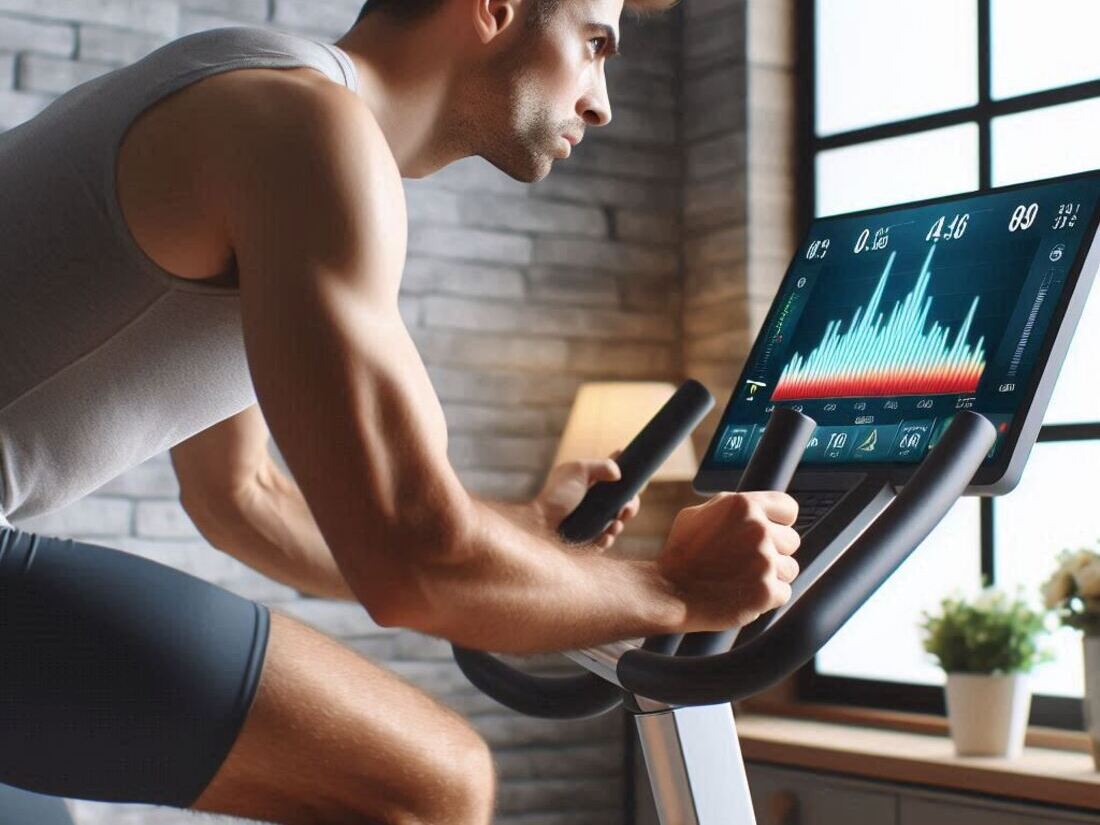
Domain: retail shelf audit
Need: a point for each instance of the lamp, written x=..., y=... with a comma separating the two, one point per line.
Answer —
x=605, y=417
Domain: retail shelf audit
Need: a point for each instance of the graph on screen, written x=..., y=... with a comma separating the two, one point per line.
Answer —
x=902, y=354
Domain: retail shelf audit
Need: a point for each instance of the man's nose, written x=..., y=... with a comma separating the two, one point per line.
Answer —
x=595, y=108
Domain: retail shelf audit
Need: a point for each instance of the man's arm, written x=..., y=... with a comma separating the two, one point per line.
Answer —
x=245, y=505
x=314, y=208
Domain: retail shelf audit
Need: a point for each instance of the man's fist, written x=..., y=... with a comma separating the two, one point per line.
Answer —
x=731, y=558
x=568, y=484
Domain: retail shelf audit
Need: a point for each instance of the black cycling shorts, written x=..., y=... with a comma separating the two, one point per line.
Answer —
x=121, y=679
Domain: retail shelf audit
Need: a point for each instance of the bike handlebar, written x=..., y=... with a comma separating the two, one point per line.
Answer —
x=800, y=632
x=823, y=609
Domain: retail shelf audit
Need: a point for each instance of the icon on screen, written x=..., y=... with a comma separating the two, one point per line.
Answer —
x=869, y=443
x=753, y=389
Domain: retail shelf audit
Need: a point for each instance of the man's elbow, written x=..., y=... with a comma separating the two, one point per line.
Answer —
x=395, y=582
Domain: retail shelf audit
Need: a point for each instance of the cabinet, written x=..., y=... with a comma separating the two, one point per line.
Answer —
x=789, y=796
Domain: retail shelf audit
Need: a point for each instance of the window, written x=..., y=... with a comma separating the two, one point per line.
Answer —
x=905, y=101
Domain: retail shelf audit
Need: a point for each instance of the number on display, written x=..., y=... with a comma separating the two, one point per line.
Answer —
x=1023, y=217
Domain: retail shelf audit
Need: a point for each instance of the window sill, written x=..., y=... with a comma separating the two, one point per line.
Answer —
x=1055, y=767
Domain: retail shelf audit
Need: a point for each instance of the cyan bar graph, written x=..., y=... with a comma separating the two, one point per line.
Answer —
x=899, y=355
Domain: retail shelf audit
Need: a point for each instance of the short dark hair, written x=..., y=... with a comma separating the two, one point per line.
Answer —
x=414, y=9
x=405, y=9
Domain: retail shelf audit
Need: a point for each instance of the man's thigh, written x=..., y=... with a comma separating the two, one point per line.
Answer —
x=332, y=738
x=122, y=679
x=127, y=680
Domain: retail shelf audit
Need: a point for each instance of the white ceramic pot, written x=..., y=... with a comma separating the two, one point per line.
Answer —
x=988, y=713
x=1092, y=695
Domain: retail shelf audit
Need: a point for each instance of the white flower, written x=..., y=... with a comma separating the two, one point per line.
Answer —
x=1088, y=579
x=987, y=600
x=1057, y=589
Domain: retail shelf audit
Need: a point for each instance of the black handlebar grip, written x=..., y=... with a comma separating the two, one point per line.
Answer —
x=639, y=460
x=574, y=697
x=776, y=457
x=771, y=467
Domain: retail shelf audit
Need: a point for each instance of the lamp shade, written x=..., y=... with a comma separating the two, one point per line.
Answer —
x=607, y=415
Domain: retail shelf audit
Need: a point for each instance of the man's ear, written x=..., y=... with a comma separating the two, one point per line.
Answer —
x=493, y=17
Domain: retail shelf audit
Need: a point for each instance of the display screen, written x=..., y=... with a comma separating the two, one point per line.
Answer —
x=890, y=321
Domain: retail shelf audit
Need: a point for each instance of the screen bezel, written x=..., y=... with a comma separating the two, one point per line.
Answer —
x=1003, y=474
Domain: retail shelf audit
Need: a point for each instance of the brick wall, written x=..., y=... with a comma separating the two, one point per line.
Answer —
x=739, y=189
x=515, y=294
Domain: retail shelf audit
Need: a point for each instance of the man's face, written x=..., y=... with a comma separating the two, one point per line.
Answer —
x=545, y=86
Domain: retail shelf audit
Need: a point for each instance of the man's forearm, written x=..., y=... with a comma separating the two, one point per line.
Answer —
x=511, y=589
x=269, y=527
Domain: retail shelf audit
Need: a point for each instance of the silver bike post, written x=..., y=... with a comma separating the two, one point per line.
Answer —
x=692, y=754
x=695, y=766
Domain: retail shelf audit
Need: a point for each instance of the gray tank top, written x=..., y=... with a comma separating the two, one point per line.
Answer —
x=107, y=359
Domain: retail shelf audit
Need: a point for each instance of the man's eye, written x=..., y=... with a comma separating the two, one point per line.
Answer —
x=599, y=42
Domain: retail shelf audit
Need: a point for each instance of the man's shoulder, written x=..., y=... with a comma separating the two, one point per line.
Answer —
x=267, y=122
x=257, y=104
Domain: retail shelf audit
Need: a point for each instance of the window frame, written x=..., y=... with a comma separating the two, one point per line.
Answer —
x=1051, y=711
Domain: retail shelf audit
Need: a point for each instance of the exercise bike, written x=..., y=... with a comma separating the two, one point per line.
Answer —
x=679, y=690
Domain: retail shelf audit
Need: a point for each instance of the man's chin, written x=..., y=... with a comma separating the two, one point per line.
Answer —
x=531, y=170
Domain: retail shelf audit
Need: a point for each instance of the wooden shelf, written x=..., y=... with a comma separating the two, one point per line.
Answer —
x=1042, y=774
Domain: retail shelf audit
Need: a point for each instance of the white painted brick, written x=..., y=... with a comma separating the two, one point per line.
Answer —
x=200, y=21
x=477, y=175
x=566, y=322
x=652, y=125
x=427, y=202
x=411, y=310
x=53, y=75
x=612, y=157
x=609, y=359
x=606, y=255
x=36, y=35
x=326, y=15
x=108, y=44
x=562, y=184
x=18, y=107
x=458, y=278
x=471, y=349
x=473, y=418
x=155, y=16
x=531, y=215
x=501, y=452
x=245, y=9
x=7, y=68
x=476, y=386
x=164, y=519
x=470, y=245
x=648, y=226
x=558, y=285
x=154, y=477
x=90, y=516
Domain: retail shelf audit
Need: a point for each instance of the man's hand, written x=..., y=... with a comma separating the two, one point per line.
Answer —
x=731, y=558
x=567, y=485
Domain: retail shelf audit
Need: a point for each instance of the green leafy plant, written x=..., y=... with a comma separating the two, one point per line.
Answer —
x=1073, y=591
x=990, y=634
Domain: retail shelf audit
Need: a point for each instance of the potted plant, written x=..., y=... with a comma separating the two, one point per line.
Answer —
x=987, y=647
x=1074, y=592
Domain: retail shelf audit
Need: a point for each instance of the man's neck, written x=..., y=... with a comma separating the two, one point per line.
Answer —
x=405, y=78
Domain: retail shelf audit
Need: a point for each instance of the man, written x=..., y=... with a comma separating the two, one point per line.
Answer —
x=124, y=679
